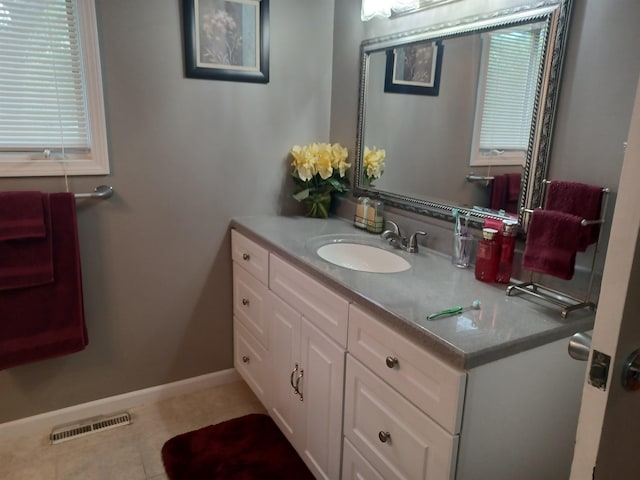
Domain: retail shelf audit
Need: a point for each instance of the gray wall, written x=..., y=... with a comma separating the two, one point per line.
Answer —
x=186, y=156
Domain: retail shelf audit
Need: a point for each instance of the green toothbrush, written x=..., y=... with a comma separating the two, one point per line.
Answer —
x=454, y=311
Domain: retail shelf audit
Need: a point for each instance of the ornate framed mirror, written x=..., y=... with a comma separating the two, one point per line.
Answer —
x=451, y=147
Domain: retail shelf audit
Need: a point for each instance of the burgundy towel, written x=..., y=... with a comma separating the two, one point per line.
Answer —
x=48, y=320
x=513, y=192
x=499, y=192
x=21, y=215
x=27, y=262
x=577, y=199
x=552, y=243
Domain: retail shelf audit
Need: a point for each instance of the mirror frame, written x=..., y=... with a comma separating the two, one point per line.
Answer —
x=557, y=14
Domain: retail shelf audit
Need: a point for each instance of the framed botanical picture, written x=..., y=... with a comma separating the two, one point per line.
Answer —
x=414, y=68
x=227, y=40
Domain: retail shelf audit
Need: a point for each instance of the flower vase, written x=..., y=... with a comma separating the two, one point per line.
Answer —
x=317, y=205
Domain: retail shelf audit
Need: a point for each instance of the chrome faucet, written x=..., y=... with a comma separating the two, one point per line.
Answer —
x=395, y=238
x=393, y=235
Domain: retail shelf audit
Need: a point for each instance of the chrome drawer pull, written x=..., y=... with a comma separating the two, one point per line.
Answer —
x=392, y=361
x=384, y=436
x=245, y=301
x=245, y=359
x=246, y=257
x=291, y=379
x=298, y=391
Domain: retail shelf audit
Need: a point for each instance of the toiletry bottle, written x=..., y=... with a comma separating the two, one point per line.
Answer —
x=375, y=217
x=507, y=245
x=362, y=211
x=488, y=256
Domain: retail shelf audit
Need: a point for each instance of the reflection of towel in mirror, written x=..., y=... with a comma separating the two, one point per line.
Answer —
x=552, y=243
x=578, y=199
x=505, y=192
x=513, y=192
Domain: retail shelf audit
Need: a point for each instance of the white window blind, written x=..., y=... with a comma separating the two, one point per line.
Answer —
x=510, y=67
x=514, y=59
x=51, y=107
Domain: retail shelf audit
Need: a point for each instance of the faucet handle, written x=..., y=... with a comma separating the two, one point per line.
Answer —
x=413, y=242
x=395, y=228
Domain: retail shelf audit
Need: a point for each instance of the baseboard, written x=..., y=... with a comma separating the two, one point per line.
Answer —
x=45, y=421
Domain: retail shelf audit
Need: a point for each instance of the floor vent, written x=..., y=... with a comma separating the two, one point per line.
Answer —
x=89, y=426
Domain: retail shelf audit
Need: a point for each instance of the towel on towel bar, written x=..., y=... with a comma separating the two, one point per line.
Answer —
x=47, y=321
x=552, y=243
x=580, y=199
x=21, y=215
x=25, y=261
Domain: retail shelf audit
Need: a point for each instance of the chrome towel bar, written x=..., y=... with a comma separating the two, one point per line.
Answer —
x=101, y=192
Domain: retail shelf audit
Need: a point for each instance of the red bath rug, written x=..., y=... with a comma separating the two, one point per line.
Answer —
x=245, y=448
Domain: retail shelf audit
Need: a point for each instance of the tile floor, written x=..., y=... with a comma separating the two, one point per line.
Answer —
x=130, y=452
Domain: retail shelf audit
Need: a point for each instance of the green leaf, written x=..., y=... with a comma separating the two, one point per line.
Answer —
x=301, y=195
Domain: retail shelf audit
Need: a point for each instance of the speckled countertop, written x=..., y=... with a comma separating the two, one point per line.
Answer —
x=503, y=326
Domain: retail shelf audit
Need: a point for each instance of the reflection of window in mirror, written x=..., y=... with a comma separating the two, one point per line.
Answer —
x=509, y=69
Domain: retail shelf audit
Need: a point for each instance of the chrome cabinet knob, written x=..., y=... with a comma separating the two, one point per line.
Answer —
x=245, y=301
x=391, y=361
x=245, y=359
x=246, y=257
x=384, y=436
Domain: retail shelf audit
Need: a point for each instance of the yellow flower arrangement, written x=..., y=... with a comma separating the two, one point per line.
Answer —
x=319, y=170
x=373, y=161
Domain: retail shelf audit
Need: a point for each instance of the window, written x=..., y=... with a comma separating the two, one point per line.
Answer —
x=510, y=66
x=51, y=104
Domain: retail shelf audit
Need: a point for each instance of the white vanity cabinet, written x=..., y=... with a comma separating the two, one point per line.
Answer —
x=360, y=399
x=403, y=406
x=409, y=415
x=290, y=336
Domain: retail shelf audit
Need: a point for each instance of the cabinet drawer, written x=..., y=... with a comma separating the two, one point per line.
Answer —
x=415, y=447
x=251, y=361
x=435, y=387
x=250, y=304
x=324, y=308
x=355, y=466
x=251, y=256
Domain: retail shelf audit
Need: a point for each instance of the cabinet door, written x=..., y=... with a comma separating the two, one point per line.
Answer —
x=322, y=390
x=286, y=409
x=251, y=361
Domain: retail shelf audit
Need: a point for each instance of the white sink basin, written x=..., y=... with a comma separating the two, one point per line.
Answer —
x=365, y=258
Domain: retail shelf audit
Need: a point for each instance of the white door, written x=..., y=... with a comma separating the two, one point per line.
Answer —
x=609, y=419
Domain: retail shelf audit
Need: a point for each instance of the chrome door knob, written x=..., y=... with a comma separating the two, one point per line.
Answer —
x=580, y=346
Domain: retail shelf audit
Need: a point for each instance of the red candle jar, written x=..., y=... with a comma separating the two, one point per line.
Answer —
x=488, y=256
